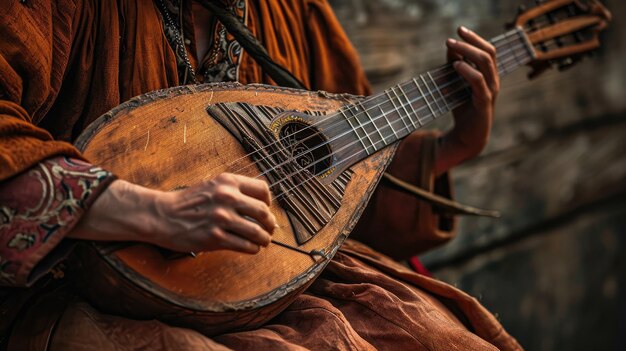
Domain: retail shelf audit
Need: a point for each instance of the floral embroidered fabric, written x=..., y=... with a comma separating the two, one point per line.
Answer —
x=221, y=63
x=37, y=209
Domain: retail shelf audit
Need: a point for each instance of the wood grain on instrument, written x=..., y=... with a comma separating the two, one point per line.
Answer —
x=166, y=140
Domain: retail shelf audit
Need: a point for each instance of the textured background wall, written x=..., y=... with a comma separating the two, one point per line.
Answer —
x=553, y=267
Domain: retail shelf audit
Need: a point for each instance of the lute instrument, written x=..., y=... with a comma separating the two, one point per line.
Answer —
x=322, y=155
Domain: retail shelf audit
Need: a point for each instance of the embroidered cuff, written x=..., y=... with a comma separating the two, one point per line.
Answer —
x=37, y=209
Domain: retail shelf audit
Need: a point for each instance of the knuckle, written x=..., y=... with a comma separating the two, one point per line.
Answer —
x=266, y=187
x=266, y=238
x=256, y=181
x=265, y=209
x=491, y=50
x=249, y=247
x=220, y=216
x=262, y=185
x=261, y=234
x=216, y=235
x=224, y=194
x=477, y=78
x=225, y=178
x=487, y=96
x=264, y=212
x=484, y=58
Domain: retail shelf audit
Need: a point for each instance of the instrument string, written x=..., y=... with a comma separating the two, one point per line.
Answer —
x=315, y=252
x=301, y=170
x=507, y=59
x=286, y=193
x=504, y=60
x=448, y=69
x=389, y=126
x=317, y=123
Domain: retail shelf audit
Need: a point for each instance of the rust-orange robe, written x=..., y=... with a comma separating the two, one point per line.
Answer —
x=65, y=62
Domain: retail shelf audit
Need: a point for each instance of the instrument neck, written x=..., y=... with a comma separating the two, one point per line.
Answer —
x=385, y=118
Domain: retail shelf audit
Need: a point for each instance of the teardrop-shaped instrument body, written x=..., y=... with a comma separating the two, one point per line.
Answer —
x=167, y=140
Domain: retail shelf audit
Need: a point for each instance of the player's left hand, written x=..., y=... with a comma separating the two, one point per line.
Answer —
x=474, y=58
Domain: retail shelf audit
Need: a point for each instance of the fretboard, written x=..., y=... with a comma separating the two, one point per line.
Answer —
x=383, y=119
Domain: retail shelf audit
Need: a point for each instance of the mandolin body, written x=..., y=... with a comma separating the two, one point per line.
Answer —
x=167, y=140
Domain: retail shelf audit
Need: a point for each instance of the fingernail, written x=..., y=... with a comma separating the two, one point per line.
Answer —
x=456, y=64
x=464, y=30
x=451, y=41
x=276, y=225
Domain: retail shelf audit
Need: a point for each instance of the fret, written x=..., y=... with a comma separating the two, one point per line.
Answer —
x=373, y=118
x=389, y=123
x=369, y=128
x=513, y=45
x=502, y=66
x=501, y=37
x=443, y=98
x=419, y=122
x=404, y=107
x=422, y=93
x=432, y=96
x=349, y=120
x=498, y=38
x=372, y=122
x=512, y=48
x=406, y=126
x=501, y=52
x=522, y=44
x=426, y=98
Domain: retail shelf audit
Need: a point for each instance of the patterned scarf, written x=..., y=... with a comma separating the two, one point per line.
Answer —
x=221, y=64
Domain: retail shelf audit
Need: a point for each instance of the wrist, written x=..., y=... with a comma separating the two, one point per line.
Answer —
x=452, y=151
x=468, y=141
x=120, y=213
x=134, y=216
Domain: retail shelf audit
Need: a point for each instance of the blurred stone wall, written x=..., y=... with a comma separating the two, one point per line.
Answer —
x=553, y=267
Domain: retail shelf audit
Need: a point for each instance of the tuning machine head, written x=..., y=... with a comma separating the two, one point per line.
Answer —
x=559, y=33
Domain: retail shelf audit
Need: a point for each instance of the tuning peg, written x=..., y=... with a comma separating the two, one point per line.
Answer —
x=567, y=63
x=537, y=68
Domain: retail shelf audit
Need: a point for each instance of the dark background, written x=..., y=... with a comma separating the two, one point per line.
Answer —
x=552, y=269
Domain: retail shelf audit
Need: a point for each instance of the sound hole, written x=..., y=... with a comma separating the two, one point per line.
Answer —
x=307, y=146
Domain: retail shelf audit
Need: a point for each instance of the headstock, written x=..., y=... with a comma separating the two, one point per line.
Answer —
x=561, y=32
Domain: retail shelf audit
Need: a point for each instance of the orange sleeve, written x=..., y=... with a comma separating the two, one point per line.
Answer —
x=33, y=57
x=334, y=63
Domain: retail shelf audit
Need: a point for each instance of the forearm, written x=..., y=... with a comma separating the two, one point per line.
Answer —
x=124, y=212
x=453, y=150
x=208, y=216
